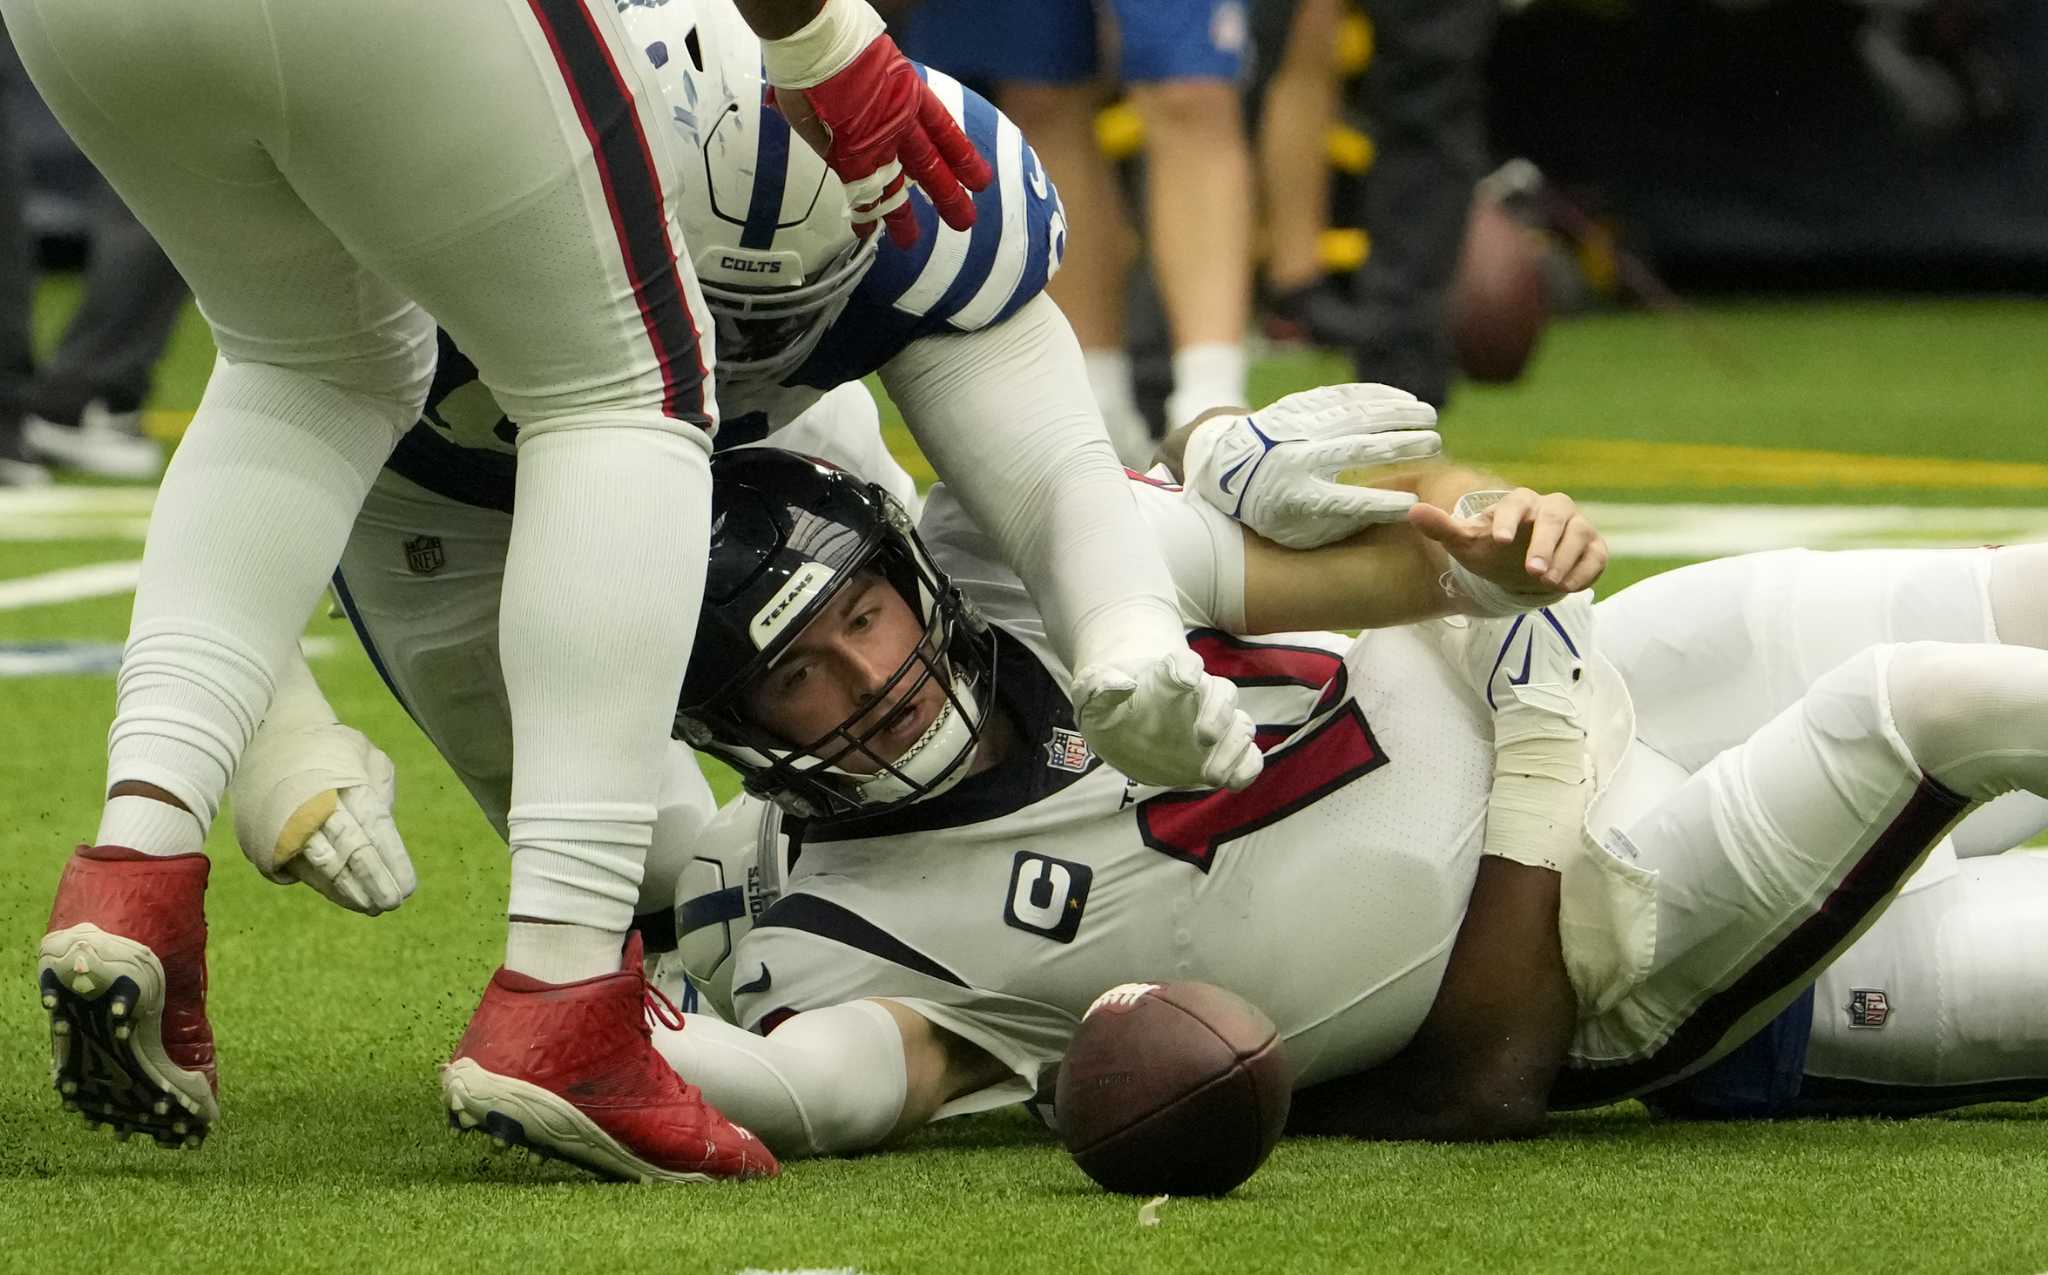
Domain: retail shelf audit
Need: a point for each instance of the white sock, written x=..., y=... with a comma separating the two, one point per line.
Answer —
x=562, y=953
x=1205, y=376
x=2019, y=594
x=603, y=581
x=150, y=826
x=1109, y=379
x=250, y=520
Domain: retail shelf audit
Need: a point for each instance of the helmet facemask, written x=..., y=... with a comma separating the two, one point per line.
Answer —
x=764, y=334
x=811, y=779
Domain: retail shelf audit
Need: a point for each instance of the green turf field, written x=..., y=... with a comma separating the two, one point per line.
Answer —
x=333, y=1155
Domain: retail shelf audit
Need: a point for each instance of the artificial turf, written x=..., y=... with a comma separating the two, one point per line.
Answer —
x=333, y=1155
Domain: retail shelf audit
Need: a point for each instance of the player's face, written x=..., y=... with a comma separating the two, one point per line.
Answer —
x=840, y=667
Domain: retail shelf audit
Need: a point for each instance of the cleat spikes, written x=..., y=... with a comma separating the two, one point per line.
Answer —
x=465, y=1120
x=502, y=1144
x=161, y=1106
x=68, y=1088
x=60, y=1027
x=121, y=1032
x=83, y=983
x=49, y=1000
x=117, y=1007
x=191, y=1141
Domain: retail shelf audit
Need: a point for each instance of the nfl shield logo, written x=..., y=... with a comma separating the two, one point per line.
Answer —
x=424, y=555
x=1868, y=1007
x=1067, y=751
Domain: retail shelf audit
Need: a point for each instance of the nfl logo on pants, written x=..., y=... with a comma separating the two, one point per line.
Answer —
x=423, y=554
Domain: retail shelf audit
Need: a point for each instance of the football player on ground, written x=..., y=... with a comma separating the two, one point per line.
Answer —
x=323, y=176
x=971, y=876
x=1806, y=728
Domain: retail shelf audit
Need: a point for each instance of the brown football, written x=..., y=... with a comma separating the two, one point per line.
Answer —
x=1500, y=303
x=1172, y=1089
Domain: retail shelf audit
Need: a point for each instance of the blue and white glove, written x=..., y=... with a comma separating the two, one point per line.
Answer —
x=1276, y=470
x=1164, y=721
x=313, y=804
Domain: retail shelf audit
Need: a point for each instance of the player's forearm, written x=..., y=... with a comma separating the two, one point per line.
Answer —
x=1006, y=419
x=1381, y=577
x=830, y=1081
x=1481, y=1065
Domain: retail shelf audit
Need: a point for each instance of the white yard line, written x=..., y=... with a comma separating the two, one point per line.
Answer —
x=1710, y=531
x=72, y=584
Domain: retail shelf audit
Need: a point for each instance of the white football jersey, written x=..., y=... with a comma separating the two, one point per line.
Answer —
x=1328, y=893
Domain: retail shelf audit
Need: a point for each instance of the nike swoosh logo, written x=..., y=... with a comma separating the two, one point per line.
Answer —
x=1233, y=472
x=1523, y=680
x=1500, y=657
x=759, y=985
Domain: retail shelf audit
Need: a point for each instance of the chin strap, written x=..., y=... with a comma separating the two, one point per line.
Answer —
x=938, y=759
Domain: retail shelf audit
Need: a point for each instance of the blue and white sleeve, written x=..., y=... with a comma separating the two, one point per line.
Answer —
x=967, y=280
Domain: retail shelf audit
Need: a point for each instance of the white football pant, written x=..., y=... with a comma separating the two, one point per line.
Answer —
x=1771, y=788
x=324, y=176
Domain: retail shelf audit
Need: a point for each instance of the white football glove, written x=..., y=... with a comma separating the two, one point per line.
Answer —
x=1276, y=470
x=313, y=805
x=1532, y=671
x=1163, y=721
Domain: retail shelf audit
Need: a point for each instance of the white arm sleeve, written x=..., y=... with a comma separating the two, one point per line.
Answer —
x=1007, y=420
x=298, y=702
x=828, y=1081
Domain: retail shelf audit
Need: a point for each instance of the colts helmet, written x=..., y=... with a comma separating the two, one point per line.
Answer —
x=787, y=534
x=765, y=222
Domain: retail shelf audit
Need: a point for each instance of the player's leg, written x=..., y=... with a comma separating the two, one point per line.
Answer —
x=420, y=582
x=1425, y=90
x=1940, y=1004
x=1299, y=107
x=1713, y=651
x=1043, y=59
x=551, y=256
x=322, y=368
x=1181, y=62
x=1775, y=856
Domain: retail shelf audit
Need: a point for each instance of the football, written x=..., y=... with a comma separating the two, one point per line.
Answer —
x=1172, y=1089
x=1499, y=303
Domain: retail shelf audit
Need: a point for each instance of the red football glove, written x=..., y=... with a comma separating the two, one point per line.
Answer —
x=886, y=125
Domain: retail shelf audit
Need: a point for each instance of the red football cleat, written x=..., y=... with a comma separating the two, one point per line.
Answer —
x=569, y=1070
x=122, y=971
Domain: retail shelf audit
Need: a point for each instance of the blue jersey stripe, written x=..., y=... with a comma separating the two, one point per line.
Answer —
x=771, y=169
x=987, y=236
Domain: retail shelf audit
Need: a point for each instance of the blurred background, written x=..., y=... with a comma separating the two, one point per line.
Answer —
x=1661, y=252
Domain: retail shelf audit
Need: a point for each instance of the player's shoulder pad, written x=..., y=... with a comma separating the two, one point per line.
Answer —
x=966, y=280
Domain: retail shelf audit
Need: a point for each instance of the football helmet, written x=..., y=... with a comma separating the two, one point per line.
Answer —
x=765, y=221
x=787, y=533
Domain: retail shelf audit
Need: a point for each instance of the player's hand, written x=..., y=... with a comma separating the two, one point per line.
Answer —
x=1534, y=549
x=1164, y=721
x=1276, y=470
x=314, y=805
x=882, y=123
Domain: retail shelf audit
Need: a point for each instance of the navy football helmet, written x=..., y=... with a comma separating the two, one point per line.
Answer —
x=787, y=533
